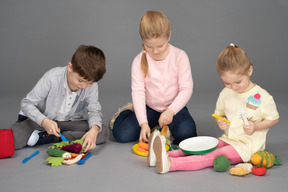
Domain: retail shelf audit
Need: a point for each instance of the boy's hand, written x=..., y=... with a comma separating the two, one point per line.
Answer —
x=145, y=132
x=166, y=117
x=90, y=138
x=222, y=124
x=51, y=127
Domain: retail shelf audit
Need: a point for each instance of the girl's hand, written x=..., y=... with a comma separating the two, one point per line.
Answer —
x=90, y=138
x=249, y=129
x=222, y=124
x=51, y=127
x=166, y=117
x=145, y=133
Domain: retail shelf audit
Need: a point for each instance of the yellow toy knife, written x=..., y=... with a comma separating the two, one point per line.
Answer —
x=218, y=117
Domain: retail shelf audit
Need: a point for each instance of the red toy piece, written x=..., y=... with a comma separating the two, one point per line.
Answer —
x=259, y=171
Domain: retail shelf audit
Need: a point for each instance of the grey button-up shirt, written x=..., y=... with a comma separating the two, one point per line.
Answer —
x=45, y=100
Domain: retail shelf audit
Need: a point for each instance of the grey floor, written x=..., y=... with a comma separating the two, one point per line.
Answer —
x=114, y=167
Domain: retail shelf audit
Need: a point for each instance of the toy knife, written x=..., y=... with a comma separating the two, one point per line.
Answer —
x=28, y=158
x=243, y=115
x=81, y=161
x=62, y=137
x=218, y=117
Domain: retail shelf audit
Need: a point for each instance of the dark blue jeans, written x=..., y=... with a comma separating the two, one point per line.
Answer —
x=126, y=127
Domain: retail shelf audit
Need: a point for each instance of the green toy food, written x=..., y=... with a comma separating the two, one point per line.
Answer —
x=55, y=161
x=59, y=145
x=58, y=153
x=264, y=159
x=221, y=163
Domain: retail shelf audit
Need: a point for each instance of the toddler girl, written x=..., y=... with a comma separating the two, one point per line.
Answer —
x=239, y=141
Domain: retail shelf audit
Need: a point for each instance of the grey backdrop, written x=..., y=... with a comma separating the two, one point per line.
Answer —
x=38, y=35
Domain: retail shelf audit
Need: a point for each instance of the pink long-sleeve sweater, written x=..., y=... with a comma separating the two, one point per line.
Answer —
x=169, y=83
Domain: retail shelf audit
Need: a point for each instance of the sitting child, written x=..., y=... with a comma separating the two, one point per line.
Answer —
x=239, y=141
x=65, y=100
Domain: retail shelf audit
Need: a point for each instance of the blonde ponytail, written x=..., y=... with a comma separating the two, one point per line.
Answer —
x=153, y=24
x=144, y=64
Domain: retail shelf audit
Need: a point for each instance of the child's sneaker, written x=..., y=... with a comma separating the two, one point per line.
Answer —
x=162, y=162
x=125, y=107
x=39, y=137
x=151, y=158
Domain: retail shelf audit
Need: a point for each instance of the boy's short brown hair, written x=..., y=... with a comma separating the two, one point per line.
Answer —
x=89, y=62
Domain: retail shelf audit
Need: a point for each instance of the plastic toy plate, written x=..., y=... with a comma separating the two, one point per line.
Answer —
x=198, y=145
x=145, y=154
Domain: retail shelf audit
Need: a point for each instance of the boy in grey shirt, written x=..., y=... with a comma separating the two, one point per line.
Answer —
x=65, y=100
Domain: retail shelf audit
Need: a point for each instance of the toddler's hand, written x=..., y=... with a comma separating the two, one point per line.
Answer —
x=222, y=124
x=166, y=117
x=249, y=129
x=51, y=127
x=145, y=132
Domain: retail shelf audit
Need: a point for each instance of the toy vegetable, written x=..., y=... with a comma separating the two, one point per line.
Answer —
x=264, y=159
x=58, y=153
x=73, y=161
x=221, y=163
x=143, y=145
x=65, y=152
x=74, y=148
x=259, y=171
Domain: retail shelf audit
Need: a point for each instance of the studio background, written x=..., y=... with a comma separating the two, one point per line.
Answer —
x=39, y=35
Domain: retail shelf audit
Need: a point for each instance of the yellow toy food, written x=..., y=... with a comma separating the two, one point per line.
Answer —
x=264, y=159
x=239, y=171
x=246, y=166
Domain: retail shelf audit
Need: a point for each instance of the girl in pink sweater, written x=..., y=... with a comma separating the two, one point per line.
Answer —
x=161, y=86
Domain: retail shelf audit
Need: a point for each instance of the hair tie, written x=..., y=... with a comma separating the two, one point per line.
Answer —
x=232, y=45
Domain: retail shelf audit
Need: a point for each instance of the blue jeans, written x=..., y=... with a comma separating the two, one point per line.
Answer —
x=126, y=127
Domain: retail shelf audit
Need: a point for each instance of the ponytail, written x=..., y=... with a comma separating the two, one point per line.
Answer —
x=144, y=64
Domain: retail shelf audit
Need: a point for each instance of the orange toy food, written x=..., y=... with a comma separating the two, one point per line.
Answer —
x=143, y=145
x=73, y=155
x=139, y=149
x=264, y=159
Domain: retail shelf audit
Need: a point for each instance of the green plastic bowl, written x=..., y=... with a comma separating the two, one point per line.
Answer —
x=198, y=145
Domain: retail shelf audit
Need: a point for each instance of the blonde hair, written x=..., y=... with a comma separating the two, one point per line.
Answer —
x=153, y=24
x=234, y=59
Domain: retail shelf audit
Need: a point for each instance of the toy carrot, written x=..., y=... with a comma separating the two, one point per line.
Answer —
x=139, y=149
x=143, y=145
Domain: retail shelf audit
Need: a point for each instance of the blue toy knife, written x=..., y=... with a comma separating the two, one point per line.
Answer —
x=62, y=137
x=81, y=161
x=28, y=158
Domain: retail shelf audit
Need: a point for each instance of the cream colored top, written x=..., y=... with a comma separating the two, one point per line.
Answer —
x=258, y=105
